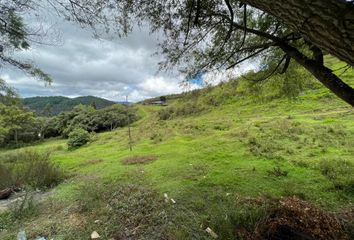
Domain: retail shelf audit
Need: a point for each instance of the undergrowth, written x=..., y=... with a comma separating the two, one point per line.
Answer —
x=28, y=168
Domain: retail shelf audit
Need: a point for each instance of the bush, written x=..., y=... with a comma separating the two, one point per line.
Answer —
x=185, y=109
x=38, y=171
x=29, y=168
x=78, y=137
x=340, y=172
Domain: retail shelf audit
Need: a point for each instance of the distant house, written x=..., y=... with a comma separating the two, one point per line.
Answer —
x=161, y=103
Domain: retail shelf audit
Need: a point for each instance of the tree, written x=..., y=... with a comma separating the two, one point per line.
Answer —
x=16, y=36
x=202, y=36
x=220, y=34
x=13, y=118
x=8, y=95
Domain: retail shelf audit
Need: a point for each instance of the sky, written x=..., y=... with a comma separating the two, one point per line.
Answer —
x=81, y=65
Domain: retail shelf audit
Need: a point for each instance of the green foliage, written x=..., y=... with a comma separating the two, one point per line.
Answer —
x=13, y=32
x=13, y=119
x=186, y=109
x=51, y=106
x=19, y=126
x=93, y=120
x=340, y=172
x=29, y=169
x=77, y=138
x=277, y=172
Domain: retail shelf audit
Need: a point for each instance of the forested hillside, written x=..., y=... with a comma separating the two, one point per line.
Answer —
x=51, y=106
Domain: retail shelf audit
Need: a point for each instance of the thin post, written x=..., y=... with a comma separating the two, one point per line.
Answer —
x=128, y=118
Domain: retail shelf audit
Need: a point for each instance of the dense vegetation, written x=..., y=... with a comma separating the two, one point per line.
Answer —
x=52, y=106
x=20, y=126
x=243, y=161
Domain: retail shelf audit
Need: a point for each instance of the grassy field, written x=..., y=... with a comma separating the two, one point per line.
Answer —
x=213, y=160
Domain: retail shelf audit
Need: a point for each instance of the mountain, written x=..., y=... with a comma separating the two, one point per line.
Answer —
x=46, y=106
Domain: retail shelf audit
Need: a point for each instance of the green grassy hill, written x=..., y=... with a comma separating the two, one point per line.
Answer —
x=46, y=106
x=217, y=153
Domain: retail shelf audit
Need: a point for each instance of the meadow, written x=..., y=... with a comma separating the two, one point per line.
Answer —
x=218, y=158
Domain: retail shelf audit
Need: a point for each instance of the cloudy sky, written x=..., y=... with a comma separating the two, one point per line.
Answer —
x=81, y=65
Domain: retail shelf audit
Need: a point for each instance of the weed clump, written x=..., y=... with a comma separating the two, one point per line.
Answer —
x=127, y=211
x=186, y=109
x=277, y=172
x=340, y=172
x=29, y=169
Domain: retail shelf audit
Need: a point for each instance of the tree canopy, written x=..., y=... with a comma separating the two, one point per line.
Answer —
x=201, y=36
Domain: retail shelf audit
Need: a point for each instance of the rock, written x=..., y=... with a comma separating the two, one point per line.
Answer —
x=211, y=233
x=95, y=235
x=21, y=235
x=166, y=197
x=6, y=193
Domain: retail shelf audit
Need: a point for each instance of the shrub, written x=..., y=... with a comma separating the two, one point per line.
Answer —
x=277, y=172
x=38, y=171
x=185, y=109
x=78, y=137
x=29, y=168
x=340, y=172
x=6, y=178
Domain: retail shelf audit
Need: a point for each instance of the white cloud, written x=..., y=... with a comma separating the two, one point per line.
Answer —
x=82, y=65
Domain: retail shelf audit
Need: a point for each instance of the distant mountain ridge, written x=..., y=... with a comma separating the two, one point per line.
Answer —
x=53, y=105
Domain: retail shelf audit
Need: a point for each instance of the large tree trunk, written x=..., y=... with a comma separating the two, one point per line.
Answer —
x=329, y=24
x=322, y=73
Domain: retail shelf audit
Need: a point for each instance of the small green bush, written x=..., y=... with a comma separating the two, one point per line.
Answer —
x=78, y=137
x=6, y=178
x=185, y=109
x=277, y=172
x=38, y=171
x=340, y=172
x=29, y=168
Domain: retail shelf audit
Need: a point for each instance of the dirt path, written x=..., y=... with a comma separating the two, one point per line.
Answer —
x=16, y=198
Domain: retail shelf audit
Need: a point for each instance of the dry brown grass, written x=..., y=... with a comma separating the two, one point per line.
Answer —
x=293, y=219
x=139, y=159
x=91, y=162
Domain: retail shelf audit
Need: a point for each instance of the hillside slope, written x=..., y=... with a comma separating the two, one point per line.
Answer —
x=46, y=106
x=210, y=159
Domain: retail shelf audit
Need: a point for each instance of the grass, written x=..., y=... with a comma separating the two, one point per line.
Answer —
x=209, y=162
x=28, y=169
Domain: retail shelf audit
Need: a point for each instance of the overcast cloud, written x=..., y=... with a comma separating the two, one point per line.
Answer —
x=81, y=65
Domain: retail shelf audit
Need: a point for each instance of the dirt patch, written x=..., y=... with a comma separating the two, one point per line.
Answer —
x=91, y=162
x=347, y=219
x=17, y=197
x=295, y=219
x=139, y=159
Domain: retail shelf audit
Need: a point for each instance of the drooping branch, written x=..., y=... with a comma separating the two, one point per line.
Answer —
x=286, y=64
x=229, y=7
x=322, y=73
x=246, y=58
x=189, y=22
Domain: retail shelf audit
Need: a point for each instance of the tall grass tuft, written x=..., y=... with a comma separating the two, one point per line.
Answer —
x=29, y=168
